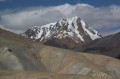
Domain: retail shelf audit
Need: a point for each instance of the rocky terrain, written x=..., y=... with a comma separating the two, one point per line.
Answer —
x=22, y=58
x=71, y=33
x=108, y=45
x=17, y=53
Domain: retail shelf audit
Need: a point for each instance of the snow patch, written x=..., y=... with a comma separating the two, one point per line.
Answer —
x=64, y=28
x=92, y=36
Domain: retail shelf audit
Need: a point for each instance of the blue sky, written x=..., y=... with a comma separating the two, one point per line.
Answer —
x=12, y=4
x=18, y=15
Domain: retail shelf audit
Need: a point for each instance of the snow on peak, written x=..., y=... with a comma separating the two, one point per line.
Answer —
x=74, y=28
x=92, y=33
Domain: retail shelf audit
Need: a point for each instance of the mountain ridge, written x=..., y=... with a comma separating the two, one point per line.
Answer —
x=108, y=45
x=73, y=30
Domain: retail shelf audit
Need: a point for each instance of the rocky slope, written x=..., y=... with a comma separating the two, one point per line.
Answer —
x=24, y=59
x=69, y=33
x=17, y=53
x=109, y=45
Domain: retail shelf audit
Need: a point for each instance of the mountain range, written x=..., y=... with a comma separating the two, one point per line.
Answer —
x=71, y=33
x=75, y=34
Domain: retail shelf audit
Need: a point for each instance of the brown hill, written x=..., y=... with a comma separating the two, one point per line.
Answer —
x=24, y=59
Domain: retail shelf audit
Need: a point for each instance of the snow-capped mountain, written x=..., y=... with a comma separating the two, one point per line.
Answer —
x=66, y=33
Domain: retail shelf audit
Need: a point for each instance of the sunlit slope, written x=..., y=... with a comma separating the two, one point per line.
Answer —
x=68, y=62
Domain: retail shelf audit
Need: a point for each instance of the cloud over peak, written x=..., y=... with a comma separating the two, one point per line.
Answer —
x=96, y=17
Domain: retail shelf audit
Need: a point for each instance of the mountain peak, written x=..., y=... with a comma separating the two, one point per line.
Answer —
x=76, y=17
x=67, y=30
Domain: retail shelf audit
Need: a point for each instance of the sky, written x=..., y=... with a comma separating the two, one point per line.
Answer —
x=19, y=15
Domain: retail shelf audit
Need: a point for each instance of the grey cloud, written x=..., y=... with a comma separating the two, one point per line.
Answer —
x=96, y=17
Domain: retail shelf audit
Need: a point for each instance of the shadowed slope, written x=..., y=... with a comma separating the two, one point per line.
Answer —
x=108, y=45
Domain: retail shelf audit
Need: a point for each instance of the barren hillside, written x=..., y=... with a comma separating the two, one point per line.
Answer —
x=24, y=59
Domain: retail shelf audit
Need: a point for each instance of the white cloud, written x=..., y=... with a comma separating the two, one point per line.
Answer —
x=96, y=17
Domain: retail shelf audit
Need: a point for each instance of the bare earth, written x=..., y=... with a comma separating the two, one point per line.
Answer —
x=24, y=59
